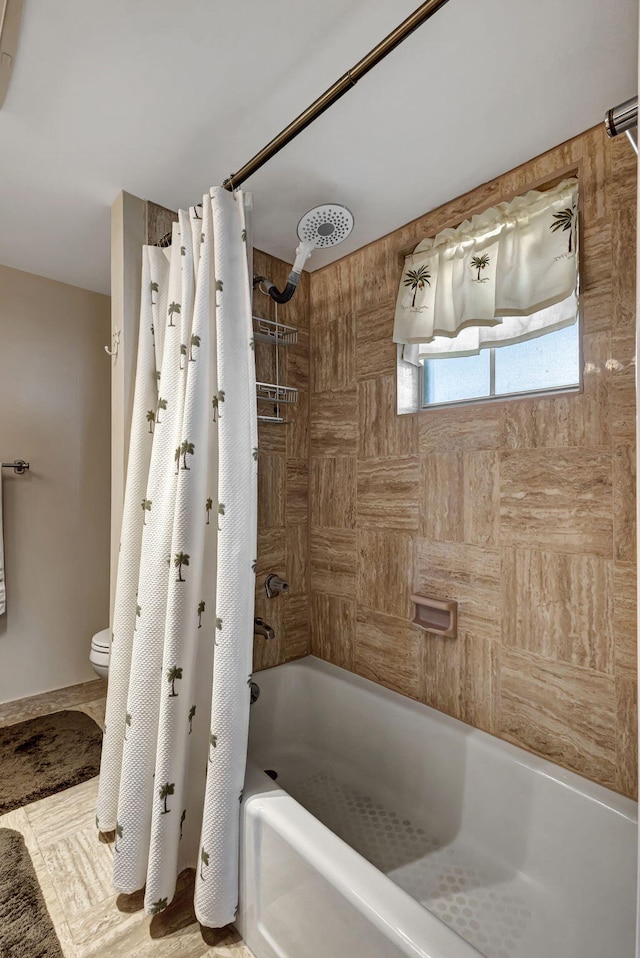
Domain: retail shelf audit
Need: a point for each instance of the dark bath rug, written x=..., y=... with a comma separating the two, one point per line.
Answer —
x=46, y=755
x=26, y=929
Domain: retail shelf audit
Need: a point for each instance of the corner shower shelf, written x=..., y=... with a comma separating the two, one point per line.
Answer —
x=274, y=392
x=274, y=333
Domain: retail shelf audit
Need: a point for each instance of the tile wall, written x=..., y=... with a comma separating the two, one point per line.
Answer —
x=523, y=511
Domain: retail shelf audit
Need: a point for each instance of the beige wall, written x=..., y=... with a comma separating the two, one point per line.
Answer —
x=54, y=412
x=522, y=511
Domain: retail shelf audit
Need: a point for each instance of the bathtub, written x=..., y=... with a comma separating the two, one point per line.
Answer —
x=393, y=830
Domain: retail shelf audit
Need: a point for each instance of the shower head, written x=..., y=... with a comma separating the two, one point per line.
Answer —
x=319, y=228
x=325, y=226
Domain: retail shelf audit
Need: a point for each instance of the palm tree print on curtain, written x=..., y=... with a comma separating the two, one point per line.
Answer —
x=215, y=402
x=479, y=263
x=187, y=449
x=174, y=674
x=151, y=419
x=179, y=560
x=564, y=221
x=417, y=279
x=162, y=404
x=174, y=308
x=165, y=791
x=174, y=564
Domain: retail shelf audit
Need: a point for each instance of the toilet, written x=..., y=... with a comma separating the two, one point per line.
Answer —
x=100, y=650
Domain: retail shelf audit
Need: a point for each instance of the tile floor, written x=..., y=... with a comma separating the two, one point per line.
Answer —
x=74, y=868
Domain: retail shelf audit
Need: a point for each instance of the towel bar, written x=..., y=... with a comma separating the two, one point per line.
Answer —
x=19, y=466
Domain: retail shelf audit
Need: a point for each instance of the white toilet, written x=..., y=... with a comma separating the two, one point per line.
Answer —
x=100, y=650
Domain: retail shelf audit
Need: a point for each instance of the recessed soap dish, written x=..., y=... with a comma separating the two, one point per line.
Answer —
x=436, y=615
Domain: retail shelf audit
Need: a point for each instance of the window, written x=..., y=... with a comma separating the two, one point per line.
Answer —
x=490, y=309
x=549, y=363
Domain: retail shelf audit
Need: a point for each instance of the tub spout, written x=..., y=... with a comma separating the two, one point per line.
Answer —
x=260, y=627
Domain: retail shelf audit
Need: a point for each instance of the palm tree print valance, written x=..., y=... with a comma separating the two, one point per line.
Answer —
x=503, y=276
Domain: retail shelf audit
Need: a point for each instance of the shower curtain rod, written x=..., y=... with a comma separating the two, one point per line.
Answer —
x=623, y=119
x=337, y=90
x=328, y=98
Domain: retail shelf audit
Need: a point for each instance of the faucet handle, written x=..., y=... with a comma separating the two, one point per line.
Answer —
x=273, y=584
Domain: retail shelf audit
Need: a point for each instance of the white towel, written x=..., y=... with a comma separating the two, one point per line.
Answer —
x=3, y=591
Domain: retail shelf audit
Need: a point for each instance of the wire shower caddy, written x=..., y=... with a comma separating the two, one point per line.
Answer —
x=276, y=334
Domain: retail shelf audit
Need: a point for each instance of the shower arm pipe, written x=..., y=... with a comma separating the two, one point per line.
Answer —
x=623, y=119
x=303, y=252
x=335, y=92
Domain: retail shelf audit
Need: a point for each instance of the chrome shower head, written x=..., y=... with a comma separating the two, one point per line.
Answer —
x=325, y=225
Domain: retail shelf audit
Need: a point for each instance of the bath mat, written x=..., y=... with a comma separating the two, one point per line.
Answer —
x=45, y=755
x=26, y=929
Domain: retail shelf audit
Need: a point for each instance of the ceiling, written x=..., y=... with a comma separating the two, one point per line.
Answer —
x=165, y=99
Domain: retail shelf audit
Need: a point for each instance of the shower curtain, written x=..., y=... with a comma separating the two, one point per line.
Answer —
x=175, y=737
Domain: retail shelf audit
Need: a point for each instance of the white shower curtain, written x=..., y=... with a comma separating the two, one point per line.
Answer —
x=175, y=738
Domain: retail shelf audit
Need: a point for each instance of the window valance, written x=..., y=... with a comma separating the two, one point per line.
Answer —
x=505, y=275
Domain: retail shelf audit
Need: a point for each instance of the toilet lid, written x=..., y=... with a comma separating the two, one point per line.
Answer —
x=101, y=641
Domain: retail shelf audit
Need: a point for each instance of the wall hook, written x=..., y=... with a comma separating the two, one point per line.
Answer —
x=116, y=345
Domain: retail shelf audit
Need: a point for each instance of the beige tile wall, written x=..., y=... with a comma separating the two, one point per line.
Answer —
x=523, y=511
x=283, y=478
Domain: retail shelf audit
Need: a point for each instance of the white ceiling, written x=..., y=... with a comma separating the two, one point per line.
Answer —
x=165, y=99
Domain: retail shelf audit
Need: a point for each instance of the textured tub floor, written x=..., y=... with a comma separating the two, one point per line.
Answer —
x=499, y=912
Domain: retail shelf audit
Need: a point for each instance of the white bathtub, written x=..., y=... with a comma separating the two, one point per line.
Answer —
x=394, y=830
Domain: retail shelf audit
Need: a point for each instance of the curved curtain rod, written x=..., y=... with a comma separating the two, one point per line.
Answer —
x=337, y=90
